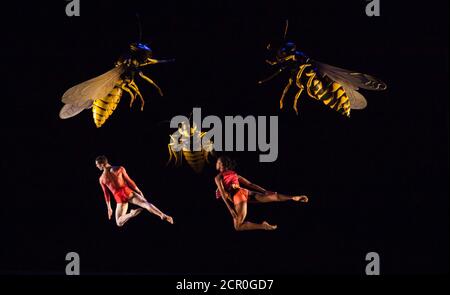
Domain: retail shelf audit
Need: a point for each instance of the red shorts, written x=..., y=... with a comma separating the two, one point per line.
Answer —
x=241, y=195
x=123, y=194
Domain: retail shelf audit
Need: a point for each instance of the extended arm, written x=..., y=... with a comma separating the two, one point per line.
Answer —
x=107, y=198
x=246, y=183
x=130, y=182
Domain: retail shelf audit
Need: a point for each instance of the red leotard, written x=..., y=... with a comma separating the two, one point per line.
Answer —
x=117, y=181
x=230, y=181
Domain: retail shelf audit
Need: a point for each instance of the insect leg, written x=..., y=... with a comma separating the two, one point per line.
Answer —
x=296, y=99
x=207, y=154
x=124, y=87
x=286, y=88
x=300, y=73
x=311, y=76
x=300, y=86
x=133, y=86
x=170, y=155
x=151, y=61
x=272, y=76
x=151, y=82
x=272, y=63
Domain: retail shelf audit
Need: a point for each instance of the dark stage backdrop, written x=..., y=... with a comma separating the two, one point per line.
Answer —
x=377, y=182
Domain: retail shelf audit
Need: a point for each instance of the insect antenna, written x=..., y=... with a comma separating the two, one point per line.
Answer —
x=269, y=46
x=286, y=30
x=139, y=27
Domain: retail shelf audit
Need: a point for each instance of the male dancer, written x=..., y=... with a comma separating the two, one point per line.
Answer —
x=115, y=180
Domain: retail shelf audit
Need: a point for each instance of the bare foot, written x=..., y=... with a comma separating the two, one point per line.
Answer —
x=268, y=226
x=302, y=198
x=167, y=218
x=136, y=212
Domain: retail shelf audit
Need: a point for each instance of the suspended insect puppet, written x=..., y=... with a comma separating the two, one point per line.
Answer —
x=103, y=93
x=335, y=87
x=188, y=142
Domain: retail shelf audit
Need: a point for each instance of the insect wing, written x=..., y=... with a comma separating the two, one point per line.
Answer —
x=351, y=82
x=70, y=110
x=81, y=96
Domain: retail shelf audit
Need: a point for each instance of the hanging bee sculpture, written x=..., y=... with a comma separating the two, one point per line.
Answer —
x=335, y=87
x=104, y=92
x=187, y=142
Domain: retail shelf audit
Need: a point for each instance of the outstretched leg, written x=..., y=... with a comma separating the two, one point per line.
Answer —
x=276, y=197
x=240, y=224
x=151, y=82
x=121, y=213
x=142, y=202
x=286, y=89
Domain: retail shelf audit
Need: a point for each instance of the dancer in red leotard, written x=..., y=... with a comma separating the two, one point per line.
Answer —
x=230, y=187
x=115, y=180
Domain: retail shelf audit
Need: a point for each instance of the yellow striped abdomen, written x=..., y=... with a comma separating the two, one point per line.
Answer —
x=102, y=108
x=195, y=159
x=329, y=93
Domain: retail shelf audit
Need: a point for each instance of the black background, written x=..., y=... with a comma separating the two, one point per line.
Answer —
x=377, y=182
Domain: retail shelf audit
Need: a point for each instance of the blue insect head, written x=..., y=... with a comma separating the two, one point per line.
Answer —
x=141, y=51
x=140, y=47
x=288, y=48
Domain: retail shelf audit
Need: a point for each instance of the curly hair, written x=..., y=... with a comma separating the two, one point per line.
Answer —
x=227, y=162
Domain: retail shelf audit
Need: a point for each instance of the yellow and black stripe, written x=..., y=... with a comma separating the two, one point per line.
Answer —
x=196, y=159
x=102, y=108
x=329, y=92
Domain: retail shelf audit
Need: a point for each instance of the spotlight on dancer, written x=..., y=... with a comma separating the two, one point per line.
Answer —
x=115, y=180
x=236, y=191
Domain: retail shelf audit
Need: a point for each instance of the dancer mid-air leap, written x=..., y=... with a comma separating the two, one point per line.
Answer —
x=115, y=180
x=230, y=189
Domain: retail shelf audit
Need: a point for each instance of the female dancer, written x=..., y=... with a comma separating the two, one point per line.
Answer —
x=230, y=187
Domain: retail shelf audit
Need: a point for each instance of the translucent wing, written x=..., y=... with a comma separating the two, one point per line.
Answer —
x=81, y=96
x=70, y=110
x=351, y=82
